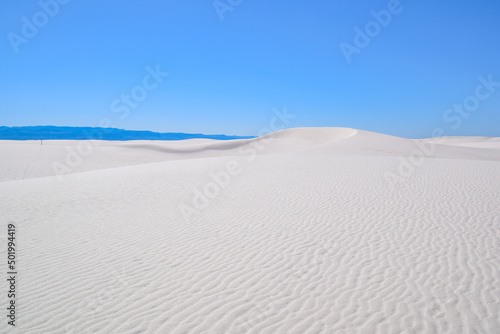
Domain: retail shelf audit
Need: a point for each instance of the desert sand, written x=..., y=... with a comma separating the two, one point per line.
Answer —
x=305, y=230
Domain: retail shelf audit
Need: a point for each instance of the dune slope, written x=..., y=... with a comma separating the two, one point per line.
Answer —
x=312, y=236
x=29, y=159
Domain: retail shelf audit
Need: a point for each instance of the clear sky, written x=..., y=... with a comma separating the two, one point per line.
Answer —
x=81, y=61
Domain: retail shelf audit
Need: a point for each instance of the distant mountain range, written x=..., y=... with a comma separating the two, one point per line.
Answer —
x=81, y=133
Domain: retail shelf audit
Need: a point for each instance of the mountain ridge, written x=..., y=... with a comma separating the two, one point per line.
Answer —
x=51, y=132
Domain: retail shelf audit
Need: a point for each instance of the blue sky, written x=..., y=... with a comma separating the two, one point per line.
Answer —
x=227, y=76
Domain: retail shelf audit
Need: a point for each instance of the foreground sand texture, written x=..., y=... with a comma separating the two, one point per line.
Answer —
x=326, y=230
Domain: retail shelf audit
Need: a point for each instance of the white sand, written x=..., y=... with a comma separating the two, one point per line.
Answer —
x=324, y=230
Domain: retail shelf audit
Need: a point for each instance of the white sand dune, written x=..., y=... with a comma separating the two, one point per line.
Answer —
x=309, y=234
x=29, y=159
